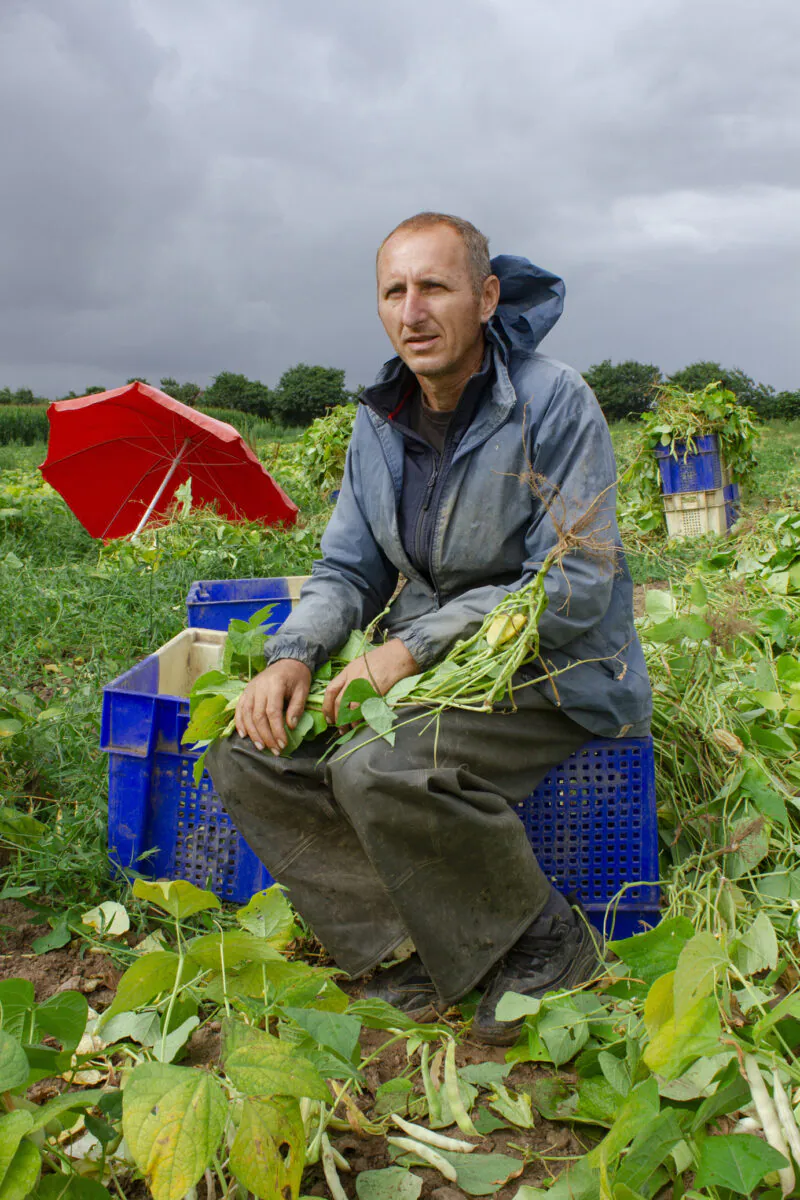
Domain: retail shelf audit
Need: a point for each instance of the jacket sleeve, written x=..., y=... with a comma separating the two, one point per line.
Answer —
x=351, y=584
x=574, y=474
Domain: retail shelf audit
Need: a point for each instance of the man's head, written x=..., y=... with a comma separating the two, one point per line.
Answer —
x=435, y=293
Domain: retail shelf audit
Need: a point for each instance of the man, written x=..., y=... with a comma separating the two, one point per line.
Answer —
x=470, y=456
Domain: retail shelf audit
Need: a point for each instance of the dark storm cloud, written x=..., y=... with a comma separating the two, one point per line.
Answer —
x=192, y=185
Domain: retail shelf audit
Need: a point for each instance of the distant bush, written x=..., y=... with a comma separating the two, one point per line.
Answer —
x=305, y=393
x=251, y=428
x=624, y=390
x=237, y=392
x=20, y=396
x=695, y=377
x=23, y=423
x=786, y=406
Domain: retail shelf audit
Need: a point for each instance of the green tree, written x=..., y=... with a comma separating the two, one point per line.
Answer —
x=238, y=392
x=138, y=379
x=187, y=393
x=94, y=390
x=305, y=393
x=698, y=375
x=623, y=390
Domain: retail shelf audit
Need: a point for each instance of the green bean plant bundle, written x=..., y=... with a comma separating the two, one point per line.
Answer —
x=477, y=674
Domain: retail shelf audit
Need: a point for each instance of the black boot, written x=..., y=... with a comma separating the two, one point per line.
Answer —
x=409, y=988
x=557, y=950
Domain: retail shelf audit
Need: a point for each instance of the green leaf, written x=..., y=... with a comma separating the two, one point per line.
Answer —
x=679, y=1042
x=69, y=1102
x=637, y=1111
x=483, y=1174
x=145, y=979
x=378, y=1014
x=166, y=1048
x=354, y=647
x=13, y=1064
x=142, y=1027
x=732, y=1094
x=22, y=1173
x=60, y=935
x=172, y=1119
x=564, y=1031
x=64, y=1017
x=70, y=1187
x=756, y=950
x=750, y=837
x=274, y=1068
x=208, y=718
x=356, y=692
x=513, y=1106
x=269, y=915
x=653, y=954
x=378, y=715
x=615, y=1071
x=738, y=1161
x=391, y=1183
x=235, y=945
x=649, y=1149
x=337, y=1031
x=268, y=1152
x=699, y=966
x=179, y=897
x=13, y=1127
x=484, y=1074
x=16, y=999
x=690, y=626
x=659, y=604
x=512, y=1006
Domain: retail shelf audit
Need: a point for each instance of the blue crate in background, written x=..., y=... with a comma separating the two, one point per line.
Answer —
x=703, y=471
x=592, y=825
x=213, y=603
x=591, y=821
x=733, y=506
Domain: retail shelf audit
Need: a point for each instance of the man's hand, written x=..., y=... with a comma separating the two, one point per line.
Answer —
x=382, y=666
x=260, y=710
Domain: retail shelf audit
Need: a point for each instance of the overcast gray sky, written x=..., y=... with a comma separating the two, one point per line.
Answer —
x=191, y=186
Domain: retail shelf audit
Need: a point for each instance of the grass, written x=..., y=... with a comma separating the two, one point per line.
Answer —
x=76, y=615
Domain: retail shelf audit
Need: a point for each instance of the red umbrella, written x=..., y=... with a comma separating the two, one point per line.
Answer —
x=117, y=458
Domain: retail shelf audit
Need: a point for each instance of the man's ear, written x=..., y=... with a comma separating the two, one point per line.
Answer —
x=490, y=296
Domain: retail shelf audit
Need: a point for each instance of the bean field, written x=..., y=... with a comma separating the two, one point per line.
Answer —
x=156, y=1042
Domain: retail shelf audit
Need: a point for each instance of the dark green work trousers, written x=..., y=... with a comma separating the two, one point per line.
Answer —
x=417, y=841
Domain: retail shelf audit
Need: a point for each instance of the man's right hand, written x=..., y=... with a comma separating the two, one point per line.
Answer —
x=275, y=695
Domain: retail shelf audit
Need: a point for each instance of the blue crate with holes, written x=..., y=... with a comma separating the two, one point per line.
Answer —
x=592, y=825
x=701, y=471
x=591, y=821
x=159, y=823
x=213, y=603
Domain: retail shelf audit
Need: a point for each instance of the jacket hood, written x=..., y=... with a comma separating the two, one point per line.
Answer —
x=531, y=301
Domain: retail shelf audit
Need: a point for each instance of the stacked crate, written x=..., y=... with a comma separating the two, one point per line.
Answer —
x=698, y=493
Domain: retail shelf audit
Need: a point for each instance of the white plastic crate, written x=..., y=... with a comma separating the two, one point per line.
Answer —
x=692, y=514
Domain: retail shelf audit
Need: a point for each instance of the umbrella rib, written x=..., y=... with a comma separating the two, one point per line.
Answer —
x=150, y=471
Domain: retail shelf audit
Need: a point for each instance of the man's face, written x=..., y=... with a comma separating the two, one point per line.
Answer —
x=427, y=303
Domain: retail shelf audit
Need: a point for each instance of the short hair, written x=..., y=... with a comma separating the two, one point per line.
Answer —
x=476, y=244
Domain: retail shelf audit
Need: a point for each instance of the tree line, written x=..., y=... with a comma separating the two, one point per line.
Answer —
x=305, y=392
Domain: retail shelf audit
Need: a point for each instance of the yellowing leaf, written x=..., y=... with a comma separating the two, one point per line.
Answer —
x=274, y=1068
x=172, y=1119
x=268, y=1152
x=179, y=897
x=108, y=918
x=659, y=1007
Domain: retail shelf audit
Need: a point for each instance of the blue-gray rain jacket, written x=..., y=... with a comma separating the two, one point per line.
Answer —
x=492, y=530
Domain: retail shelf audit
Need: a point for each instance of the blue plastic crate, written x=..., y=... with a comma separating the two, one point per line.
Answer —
x=154, y=809
x=703, y=471
x=733, y=506
x=592, y=825
x=591, y=821
x=213, y=603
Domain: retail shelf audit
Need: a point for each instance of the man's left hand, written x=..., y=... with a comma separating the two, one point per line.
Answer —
x=383, y=667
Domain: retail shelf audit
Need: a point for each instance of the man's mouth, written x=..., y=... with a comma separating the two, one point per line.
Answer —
x=421, y=341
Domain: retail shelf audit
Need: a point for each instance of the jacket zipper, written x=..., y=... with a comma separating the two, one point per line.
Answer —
x=429, y=487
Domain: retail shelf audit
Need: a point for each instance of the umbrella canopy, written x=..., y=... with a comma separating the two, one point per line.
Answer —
x=117, y=458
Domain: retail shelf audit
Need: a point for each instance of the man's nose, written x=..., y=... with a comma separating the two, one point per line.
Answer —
x=414, y=311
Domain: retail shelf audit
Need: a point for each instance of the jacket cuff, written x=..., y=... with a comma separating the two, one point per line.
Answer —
x=418, y=647
x=293, y=647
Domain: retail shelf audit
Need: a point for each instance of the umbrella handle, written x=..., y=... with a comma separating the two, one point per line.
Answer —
x=173, y=468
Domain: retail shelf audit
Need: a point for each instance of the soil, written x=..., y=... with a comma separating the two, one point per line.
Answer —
x=73, y=967
x=78, y=967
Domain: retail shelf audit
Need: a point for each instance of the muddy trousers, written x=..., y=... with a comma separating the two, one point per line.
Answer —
x=417, y=841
